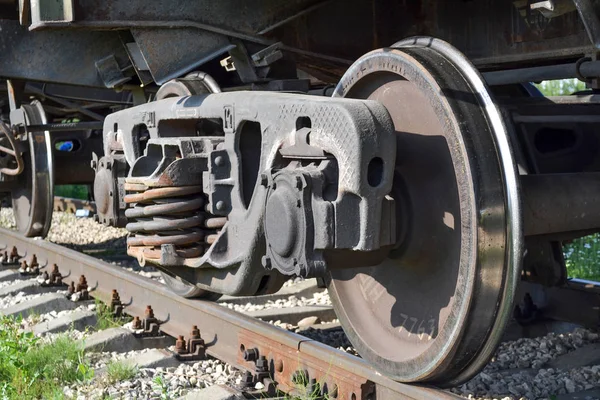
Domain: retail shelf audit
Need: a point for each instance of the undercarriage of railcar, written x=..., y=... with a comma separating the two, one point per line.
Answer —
x=397, y=150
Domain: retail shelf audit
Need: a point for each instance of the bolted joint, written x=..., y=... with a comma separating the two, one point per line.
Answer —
x=251, y=354
x=180, y=345
x=136, y=323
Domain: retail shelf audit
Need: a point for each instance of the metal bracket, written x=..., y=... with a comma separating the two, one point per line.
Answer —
x=327, y=379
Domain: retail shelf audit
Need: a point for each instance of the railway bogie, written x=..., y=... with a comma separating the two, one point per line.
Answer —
x=396, y=150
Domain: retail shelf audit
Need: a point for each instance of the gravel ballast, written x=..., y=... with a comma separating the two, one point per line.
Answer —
x=520, y=369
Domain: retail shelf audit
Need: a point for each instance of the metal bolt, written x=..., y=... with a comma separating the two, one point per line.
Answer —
x=220, y=205
x=247, y=379
x=251, y=354
x=195, y=334
x=82, y=284
x=149, y=313
x=137, y=323
x=219, y=161
x=262, y=364
x=180, y=347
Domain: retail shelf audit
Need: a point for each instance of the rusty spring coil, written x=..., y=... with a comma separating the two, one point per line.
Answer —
x=169, y=215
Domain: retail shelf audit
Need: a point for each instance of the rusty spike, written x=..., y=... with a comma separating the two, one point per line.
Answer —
x=71, y=287
x=24, y=264
x=34, y=261
x=45, y=275
x=180, y=347
x=14, y=252
x=137, y=323
x=115, y=295
x=149, y=313
x=5, y=256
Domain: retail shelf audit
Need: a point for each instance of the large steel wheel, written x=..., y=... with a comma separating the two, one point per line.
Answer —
x=435, y=310
x=33, y=201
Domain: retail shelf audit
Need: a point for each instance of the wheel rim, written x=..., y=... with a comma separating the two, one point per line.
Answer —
x=430, y=312
x=33, y=202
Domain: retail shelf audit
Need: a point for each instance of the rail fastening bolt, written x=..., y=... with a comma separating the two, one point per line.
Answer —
x=149, y=313
x=195, y=334
x=251, y=354
x=137, y=323
x=180, y=347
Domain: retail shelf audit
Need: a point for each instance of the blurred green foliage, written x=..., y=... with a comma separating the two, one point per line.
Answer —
x=563, y=87
x=73, y=191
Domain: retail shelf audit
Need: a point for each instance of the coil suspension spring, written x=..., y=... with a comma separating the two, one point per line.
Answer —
x=172, y=215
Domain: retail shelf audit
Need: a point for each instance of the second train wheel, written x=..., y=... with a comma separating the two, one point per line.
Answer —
x=436, y=309
x=33, y=200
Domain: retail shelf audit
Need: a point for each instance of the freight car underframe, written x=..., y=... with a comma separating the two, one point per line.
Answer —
x=419, y=198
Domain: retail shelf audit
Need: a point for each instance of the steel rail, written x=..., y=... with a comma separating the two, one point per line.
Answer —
x=226, y=332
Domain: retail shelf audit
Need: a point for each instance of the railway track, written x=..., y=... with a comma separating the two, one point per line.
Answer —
x=234, y=338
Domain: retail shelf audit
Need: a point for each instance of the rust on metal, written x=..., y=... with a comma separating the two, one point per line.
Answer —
x=137, y=323
x=115, y=303
x=288, y=360
x=222, y=328
x=71, y=289
x=180, y=346
x=160, y=193
x=193, y=349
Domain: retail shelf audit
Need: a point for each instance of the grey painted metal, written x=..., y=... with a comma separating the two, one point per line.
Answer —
x=589, y=69
x=220, y=327
x=550, y=206
x=354, y=132
x=43, y=56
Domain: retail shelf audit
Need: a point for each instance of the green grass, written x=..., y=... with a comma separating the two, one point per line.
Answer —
x=73, y=191
x=106, y=319
x=117, y=371
x=30, y=369
x=161, y=387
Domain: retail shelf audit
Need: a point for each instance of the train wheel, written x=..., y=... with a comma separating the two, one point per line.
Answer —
x=435, y=310
x=33, y=201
